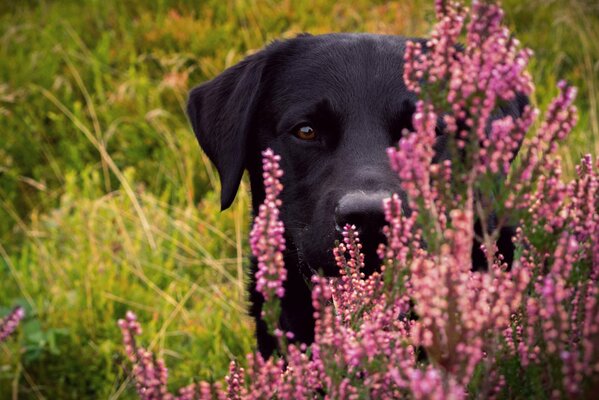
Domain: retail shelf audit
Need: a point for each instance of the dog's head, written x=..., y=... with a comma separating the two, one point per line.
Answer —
x=330, y=106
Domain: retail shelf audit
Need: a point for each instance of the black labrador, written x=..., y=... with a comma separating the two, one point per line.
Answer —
x=329, y=105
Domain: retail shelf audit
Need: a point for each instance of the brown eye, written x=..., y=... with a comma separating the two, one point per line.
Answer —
x=306, y=133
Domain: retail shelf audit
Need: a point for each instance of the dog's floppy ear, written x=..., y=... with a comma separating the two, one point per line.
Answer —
x=220, y=112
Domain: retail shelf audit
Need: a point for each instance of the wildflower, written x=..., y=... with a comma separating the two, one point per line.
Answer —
x=266, y=239
x=150, y=374
x=9, y=323
x=235, y=382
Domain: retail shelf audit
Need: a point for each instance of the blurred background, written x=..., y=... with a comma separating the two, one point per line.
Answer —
x=106, y=201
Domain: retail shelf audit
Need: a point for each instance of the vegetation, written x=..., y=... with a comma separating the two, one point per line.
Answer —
x=106, y=202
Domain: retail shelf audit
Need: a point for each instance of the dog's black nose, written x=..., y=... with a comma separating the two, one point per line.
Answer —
x=364, y=210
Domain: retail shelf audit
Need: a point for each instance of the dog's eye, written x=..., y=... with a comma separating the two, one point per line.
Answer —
x=305, y=133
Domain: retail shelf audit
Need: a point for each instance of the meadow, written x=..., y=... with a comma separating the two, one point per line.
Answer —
x=107, y=203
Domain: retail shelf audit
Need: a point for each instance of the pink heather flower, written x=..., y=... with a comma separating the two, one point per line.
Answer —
x=547, y=201
x=413, y=157
x=268, y=377
x=301, y=377
x=150, y=374
x=353, y=295
x=455, y=316
x=559, y=120
x=556, y=318
x=490, y=68
x=402, y=240
x=584, y=192
x=235, y=382
x=9, y=323
x=266, y=239
x=429, y=384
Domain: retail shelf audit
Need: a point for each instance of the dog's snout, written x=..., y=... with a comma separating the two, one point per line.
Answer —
x=362, y=209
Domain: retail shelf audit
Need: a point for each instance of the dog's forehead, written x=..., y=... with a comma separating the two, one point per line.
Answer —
x=340, y=67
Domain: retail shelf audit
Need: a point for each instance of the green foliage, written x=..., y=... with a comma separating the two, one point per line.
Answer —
x=106, y=202
x=89, y=260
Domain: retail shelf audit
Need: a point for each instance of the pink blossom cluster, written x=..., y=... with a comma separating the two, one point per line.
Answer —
x=427, y=185
x=267, y=237
x=150, y=373
x=475, y=79
x=426, y=326
x=460, y=311
x=559, y=120
x=9, y=323
x=370, y=340
x=414, y=154
x=559, y=320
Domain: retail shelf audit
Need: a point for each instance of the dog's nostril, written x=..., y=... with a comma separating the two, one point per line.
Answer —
x=362, y=209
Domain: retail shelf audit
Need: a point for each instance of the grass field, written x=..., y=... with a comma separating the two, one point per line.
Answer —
x=107, y=203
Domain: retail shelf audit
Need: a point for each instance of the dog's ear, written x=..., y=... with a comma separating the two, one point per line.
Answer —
x=220, y=112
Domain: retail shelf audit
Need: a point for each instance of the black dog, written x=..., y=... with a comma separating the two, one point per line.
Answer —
x=329, y=106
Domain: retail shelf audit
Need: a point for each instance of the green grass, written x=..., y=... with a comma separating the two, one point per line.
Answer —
x=107, y=203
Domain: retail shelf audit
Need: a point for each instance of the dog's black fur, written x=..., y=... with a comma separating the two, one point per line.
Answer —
x=349, y=89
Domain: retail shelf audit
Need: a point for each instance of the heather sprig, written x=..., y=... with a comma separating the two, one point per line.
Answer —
x=150, y=373
x=462, y=86
x=9, y=323
x=402, y=242
x=559, y=326
x=268, y=243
